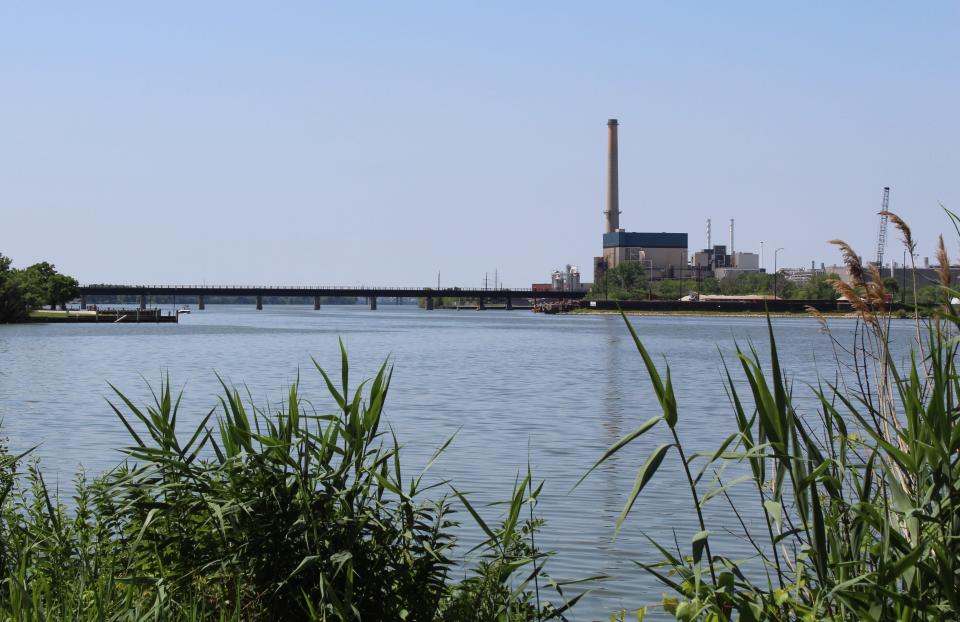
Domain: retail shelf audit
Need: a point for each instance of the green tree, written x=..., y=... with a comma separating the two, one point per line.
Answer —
x=627, y=281
x=61, y=289
x=13, y=307
x=31, y=288
x=43, y=285
x=749, y=283
x=819, y=287
x=929, y=295
x=891, y=285
x=709, y=286
x=671, y=289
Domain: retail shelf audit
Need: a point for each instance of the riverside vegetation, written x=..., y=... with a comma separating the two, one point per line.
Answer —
x=299, y=515
x=254, y=515
x=31, y=288
x=860, y=503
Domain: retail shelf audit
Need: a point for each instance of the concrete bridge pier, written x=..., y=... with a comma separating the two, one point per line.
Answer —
x=143, y=302
x=316, y=303
x=429, y=303
x=481, y=304
x=373, y=302
x=200, y=301
x=259, y=302
x=83, y=302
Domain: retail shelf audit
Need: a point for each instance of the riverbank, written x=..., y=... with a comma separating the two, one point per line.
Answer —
x=752, y=314
x=41, y=314
x=106, y=316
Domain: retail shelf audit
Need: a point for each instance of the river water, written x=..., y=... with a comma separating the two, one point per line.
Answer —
x=513, y=386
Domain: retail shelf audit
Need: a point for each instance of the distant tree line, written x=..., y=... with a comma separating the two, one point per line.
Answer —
x=22, y=290
x=629, y=281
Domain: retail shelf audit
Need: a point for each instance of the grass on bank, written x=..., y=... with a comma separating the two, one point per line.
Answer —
x=304, y=515
x=860, y=499
x=758, y=314
x=251, y=515
x=58, y=313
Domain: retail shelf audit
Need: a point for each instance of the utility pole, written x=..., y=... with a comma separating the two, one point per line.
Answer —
x=775, y=272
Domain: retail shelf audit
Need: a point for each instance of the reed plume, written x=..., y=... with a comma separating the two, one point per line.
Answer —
x=903, y=228
x=852, y=261
x=876, y=293
x=850, y=294
x=821, y=320
x=944, y=261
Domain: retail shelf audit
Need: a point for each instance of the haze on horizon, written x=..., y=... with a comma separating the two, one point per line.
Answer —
x=381, y=143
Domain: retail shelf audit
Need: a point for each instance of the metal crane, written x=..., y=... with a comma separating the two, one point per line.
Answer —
x=882, y=236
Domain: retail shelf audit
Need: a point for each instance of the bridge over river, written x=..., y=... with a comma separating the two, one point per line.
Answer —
x=201, y=292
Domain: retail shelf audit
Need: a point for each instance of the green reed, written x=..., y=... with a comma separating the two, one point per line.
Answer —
x=284, y=515
x=861, y=507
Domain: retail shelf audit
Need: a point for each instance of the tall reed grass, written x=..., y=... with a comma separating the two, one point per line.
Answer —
x=295, y=514
x=252, y=515
x=860, y=505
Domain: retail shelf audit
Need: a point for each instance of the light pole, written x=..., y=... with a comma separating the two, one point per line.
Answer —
x=775, y=272
x=650, y=280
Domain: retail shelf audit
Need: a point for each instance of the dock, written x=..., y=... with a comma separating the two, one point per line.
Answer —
x=106, y=316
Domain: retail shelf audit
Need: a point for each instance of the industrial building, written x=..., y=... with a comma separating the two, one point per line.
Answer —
x=663, y=254
x=568, y=280
x=715, y=259
x=565, y=280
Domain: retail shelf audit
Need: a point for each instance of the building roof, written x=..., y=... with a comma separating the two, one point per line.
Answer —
x=645, y=240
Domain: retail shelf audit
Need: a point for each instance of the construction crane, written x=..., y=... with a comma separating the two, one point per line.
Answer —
x=882, y=236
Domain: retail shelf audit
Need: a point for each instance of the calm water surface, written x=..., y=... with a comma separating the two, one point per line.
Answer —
x=513, y=386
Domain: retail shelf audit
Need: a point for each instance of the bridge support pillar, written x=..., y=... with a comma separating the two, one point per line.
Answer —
x=143, y=303
x=259, y=302
x=509, y=303
x=481, y=304
x=316, y=303
x=429, y=303
x=200, y=302
x=83, y=302
x=373, y=302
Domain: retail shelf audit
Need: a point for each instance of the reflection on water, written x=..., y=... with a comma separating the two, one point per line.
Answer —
x=513, y=386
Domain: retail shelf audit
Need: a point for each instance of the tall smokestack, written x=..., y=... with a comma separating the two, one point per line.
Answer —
x=613, y=184
x=709, y=241
x=733, y=255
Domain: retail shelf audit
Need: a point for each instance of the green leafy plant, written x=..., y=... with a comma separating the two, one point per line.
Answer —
x=861, y=507
x=289, y=514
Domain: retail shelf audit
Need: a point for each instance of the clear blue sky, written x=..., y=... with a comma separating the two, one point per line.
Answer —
x=241, y=142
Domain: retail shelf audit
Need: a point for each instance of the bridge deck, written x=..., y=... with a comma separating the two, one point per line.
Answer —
x=311, y=291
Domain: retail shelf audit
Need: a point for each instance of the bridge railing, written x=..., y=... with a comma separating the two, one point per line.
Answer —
x=310, y=287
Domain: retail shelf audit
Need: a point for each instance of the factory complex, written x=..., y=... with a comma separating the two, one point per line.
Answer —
x=663, y=255
x=667, y=255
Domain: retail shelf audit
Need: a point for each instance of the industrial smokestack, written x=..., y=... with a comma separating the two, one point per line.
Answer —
x=613, y=184
x=709, y=244
x=733, y=256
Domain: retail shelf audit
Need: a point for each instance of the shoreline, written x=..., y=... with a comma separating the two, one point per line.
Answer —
x=737, y=314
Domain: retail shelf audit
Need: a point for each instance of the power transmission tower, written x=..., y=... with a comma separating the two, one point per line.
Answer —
x=882, y=236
